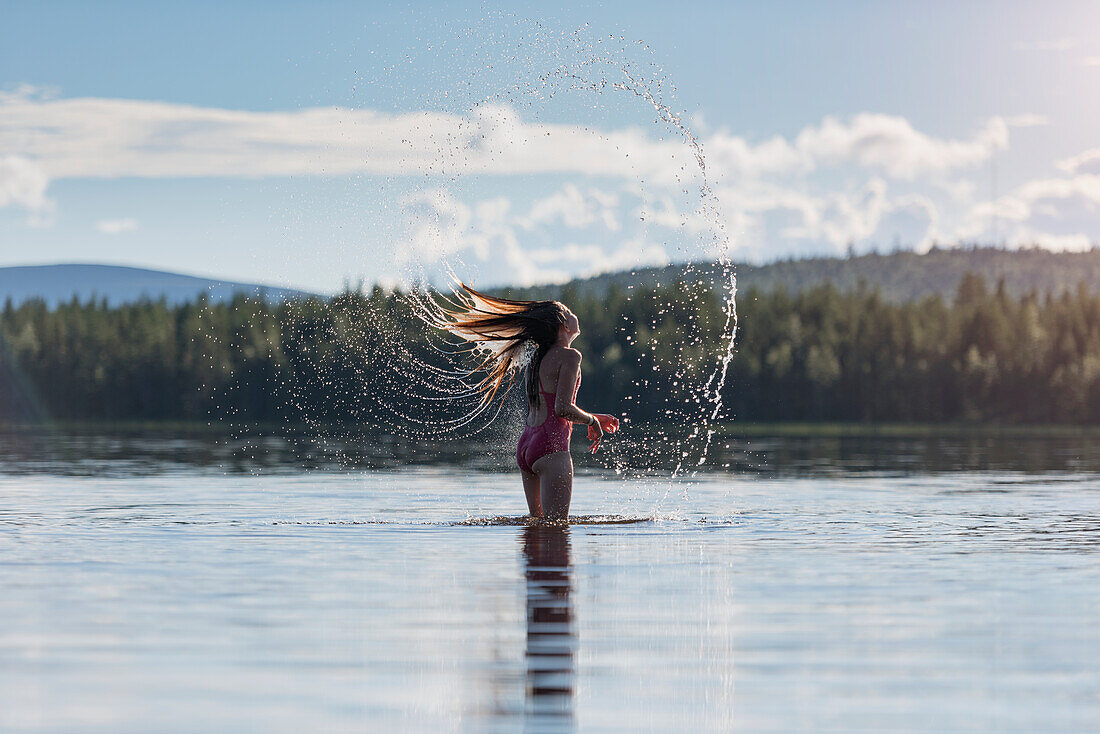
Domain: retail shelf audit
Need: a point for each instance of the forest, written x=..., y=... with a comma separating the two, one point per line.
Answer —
x=899, y=276
x=822, y=354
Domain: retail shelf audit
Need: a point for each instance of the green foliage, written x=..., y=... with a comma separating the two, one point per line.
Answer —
x=817, y=355
x=898, y=276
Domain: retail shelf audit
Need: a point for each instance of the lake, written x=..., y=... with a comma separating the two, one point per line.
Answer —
x=183, y=583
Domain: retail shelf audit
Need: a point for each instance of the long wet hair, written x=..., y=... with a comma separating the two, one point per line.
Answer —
x=502, y=334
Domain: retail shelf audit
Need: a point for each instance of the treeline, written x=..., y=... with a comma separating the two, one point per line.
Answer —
x=819, y=355
x=898, y=276
x=983, y=356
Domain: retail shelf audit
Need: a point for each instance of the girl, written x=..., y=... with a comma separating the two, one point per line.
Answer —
x=506, y=330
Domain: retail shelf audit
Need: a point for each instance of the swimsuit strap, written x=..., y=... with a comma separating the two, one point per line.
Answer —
x=553, y=393
x=545, y=392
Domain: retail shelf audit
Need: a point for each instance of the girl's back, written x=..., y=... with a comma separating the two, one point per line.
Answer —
x=549, y=374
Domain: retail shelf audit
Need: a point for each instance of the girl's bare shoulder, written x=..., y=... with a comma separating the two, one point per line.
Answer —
x=558, y=356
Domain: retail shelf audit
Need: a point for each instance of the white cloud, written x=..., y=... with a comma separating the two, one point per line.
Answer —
x=663, y=212
x=734, y=156
x=1091, y=61
x=575, y=209
x=116, y=226
x=886, y=143
x=767, y=219
x=484, y=237
x=1006, y=208
x=891, y=144
x=1059, y=213
x=1086, y=162
x=591, y=259
x=1028, y=119
x=869, y=178
x=1076, y=242
x=443, y=233
x=23, y=183
x=866, y=216
x=770, y=219
x=1056, y=45
x=436, y=223
x=109, y=138
x=1085, y=186
x=960, y=190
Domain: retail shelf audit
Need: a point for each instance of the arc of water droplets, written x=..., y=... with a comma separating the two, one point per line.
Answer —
x=711, y=392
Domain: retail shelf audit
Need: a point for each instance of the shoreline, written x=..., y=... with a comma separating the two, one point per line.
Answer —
x=731, y=430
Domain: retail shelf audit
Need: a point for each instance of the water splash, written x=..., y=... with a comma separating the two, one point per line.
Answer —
x=365, y=359
x=599, y=66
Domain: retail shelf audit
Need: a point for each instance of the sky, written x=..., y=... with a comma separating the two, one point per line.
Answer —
x=328, y=144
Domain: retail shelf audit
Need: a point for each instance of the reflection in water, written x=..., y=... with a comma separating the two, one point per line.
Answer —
x=95, y=451
x=255, y=604
x=551, y=640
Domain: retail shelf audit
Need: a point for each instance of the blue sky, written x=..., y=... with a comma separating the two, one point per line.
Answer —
x=336, y=142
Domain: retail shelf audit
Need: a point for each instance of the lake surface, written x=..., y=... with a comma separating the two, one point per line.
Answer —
x=182, y=584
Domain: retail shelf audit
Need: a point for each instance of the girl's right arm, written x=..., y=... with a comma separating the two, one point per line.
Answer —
x=564, y=407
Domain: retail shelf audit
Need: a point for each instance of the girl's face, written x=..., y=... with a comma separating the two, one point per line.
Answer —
x=572, y=327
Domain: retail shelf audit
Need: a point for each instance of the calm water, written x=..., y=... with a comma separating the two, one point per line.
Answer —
x=173, y=584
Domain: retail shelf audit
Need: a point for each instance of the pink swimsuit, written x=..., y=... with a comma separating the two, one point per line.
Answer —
x=551, y=435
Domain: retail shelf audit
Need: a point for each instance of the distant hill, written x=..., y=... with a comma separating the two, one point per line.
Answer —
x=899, y=276
x=60, y=283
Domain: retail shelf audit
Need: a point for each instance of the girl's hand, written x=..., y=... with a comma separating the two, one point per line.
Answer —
x=608, y=423
x=595, y=434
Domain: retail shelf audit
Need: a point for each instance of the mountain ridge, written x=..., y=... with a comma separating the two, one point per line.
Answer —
x=118, y=284
x=898, y=276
